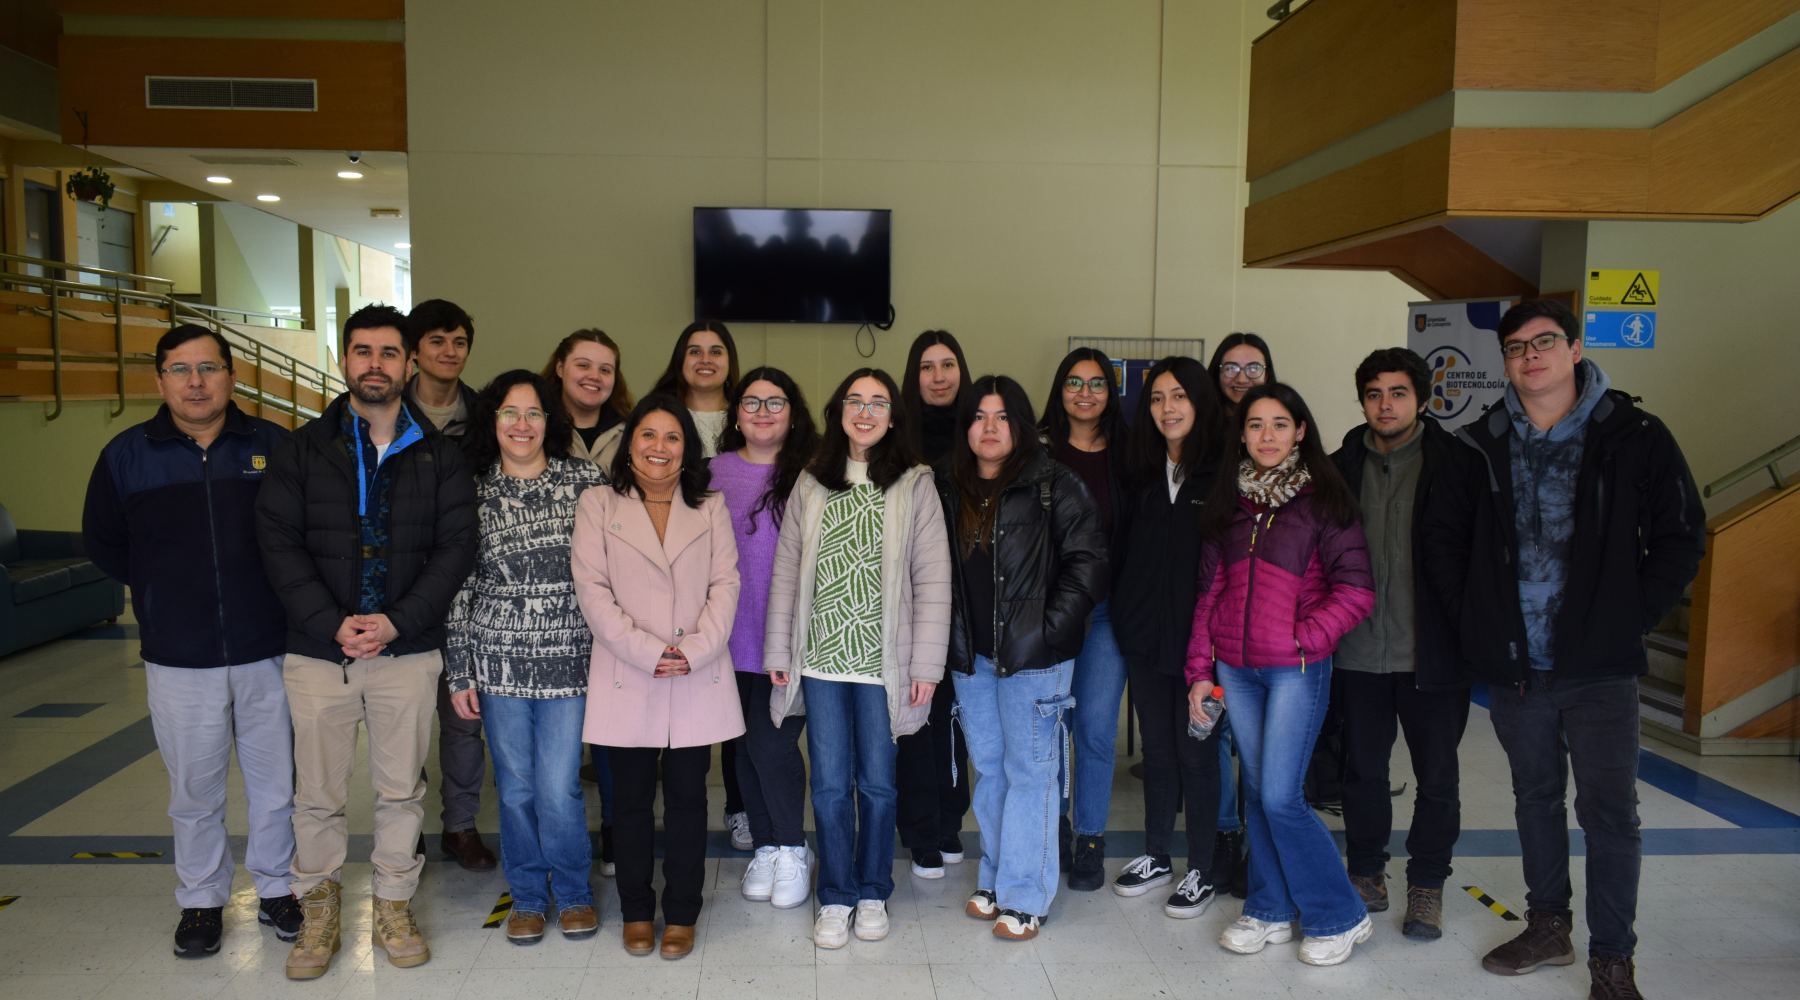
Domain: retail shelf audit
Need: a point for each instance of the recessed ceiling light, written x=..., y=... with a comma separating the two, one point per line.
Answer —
x=403, y=246
x=218, y=180
x=268, y=197
x=350, y=175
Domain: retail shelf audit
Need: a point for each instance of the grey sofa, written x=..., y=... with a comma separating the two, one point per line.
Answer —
x=49, y=588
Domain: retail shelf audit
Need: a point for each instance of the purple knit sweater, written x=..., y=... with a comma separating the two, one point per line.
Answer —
x=743, y=484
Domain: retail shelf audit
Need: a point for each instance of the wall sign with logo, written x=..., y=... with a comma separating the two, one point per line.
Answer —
x=1621, y=308
x=1461, y=345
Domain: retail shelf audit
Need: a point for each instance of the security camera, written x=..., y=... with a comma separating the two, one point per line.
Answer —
x=355, y=155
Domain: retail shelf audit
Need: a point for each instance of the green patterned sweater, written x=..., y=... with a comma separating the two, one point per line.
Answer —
x=844, y=637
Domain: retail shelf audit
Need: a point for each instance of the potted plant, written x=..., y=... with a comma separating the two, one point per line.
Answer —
x=91, y=184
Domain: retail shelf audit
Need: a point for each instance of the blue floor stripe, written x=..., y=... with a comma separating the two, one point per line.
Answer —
x=24, y=802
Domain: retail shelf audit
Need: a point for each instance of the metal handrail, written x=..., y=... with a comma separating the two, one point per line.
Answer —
x=247, y=313
x=73, y=296
x=1767, y=460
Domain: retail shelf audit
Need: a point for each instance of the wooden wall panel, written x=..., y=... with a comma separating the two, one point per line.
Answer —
x=1693, y=31
x=1334, y=69
x=1746, y=615
x=362, y=92
x=348, y=10
x=1436, y=262
x=1736, y=152
x=1550, y=171
x=1406, y=186
x=1556, y=45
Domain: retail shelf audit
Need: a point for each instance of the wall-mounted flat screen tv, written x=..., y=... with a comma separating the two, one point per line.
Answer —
x=791, y=265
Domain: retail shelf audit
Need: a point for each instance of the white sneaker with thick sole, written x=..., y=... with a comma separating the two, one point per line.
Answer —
x=793, y=877
x=759, y=878
x=738, y=824
x=1334, y=949
x=871, y=919
x=832, y=928
x=1249, y=935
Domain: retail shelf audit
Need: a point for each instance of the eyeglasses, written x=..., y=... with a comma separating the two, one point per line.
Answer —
x=1232, y=369
x=774, y=404
x=875, y=408
x=1093, y=385
x=206, y=369
x=513, y=416
x=1540, y=343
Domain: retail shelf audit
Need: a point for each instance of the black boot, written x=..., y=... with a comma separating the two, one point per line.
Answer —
x=1089, y=869
x=1065, y=845
x=197, y=936
x=1228, y=849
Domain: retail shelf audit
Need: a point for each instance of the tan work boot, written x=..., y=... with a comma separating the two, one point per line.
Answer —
x=397, y=933
x=318, y=939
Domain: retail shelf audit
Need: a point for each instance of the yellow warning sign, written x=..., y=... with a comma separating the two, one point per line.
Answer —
x=1623, y=288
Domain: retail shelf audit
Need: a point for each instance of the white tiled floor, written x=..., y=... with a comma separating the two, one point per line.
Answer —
x=1711, y=926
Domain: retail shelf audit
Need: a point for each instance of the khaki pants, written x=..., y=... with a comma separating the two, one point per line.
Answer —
x=394, y=696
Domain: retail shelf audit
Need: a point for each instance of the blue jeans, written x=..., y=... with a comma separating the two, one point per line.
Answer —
x=536, y=743
x=1014, y=726
x=1295, y=872
x=850, y=742
x=1099, y=686
x=1228, y=804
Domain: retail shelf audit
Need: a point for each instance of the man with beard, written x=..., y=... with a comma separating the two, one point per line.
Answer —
x=368, y=528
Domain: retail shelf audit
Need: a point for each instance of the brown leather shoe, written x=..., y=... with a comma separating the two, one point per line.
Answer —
x=1424, y=913
x=1373, y=890
x=579, y=922
x=1544, y=941
x=525, y=927
x=640, y=937
x=678, y=941
x=468, y=850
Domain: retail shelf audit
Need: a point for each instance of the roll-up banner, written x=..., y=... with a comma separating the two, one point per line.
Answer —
x=1460, y=344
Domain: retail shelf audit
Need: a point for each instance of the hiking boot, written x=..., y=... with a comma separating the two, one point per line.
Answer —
x=927, y=862
x=197, y=936
x=318, y=939
x=283, y=914
x=1424, y=913
x=1191, y=897
x=525, y=927
x=1373, y=890
x=1144, y=873
x=466, y=848
x=1613, y=979
x=1544, y=941
x=397, y=933
x=1065, y=845
x=1089, y=872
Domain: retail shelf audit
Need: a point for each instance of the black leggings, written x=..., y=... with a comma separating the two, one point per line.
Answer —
x=684, y=830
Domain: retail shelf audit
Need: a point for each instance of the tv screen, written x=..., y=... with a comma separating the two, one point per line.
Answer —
x=791, y=265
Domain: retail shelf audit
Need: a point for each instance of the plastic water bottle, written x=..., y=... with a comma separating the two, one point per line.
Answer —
x=1214, y=706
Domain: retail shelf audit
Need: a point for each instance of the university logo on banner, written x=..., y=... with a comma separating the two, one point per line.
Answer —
x=1460, y=344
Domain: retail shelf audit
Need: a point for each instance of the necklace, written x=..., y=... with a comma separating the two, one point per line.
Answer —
x=670, y=500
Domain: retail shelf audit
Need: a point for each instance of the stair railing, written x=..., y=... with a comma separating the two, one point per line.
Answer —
x=1770, y=460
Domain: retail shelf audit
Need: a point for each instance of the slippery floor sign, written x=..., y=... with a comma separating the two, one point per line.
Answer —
x=1621, y=308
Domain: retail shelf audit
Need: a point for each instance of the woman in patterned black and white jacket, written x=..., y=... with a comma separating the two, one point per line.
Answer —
x=519, y=650
x=859, y=614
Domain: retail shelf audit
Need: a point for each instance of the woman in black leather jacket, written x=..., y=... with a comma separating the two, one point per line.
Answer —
x=1030, y=565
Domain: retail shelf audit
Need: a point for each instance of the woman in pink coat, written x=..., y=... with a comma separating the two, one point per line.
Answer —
x=655, y=567
x=1284, y=575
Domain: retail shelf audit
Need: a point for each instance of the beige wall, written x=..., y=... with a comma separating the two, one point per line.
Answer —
x=1056, y=169
x=47, y=462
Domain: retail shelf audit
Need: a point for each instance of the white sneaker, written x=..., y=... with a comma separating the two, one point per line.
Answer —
x=1335, y=949
x=1249, y=935
x=739, y=825
x=759, y=878
x=871, y=919
x=793, y=877
x=832, y=928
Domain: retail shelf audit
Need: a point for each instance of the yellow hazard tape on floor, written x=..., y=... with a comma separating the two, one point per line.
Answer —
x=119, y=854
x=1488, y=901
x=6, y=901
x=499, y=912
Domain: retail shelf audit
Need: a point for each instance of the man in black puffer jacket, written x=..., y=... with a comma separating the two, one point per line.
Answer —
x=368, y=528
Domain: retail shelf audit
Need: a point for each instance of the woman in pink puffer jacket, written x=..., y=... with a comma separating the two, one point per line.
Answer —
x=1284, y=576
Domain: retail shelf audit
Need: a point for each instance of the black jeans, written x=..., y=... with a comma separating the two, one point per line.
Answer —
x=1175, y=766
x=770, y=770
x=1592, y=726
x=684, y=830
x=932, y=803
x=462, y=760
x=1434, y=723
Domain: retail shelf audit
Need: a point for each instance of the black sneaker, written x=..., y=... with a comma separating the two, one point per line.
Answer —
x=197, y=936
x=282, y=913
x=1089, y=872
x=1192, y=896
x=1143, y=874
x=952, y=850
x=928, y=862
x=1065, y=845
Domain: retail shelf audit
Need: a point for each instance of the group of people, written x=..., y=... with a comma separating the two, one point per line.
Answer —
x=946, y=591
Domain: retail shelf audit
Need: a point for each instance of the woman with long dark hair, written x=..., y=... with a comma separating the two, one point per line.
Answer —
x=586, y=371
x=936, y=375
x=858, y=616
x=702, y=373
x=1240, y=363
x=768, y=441
x=1086, y=433
x=655, y=566
x=1175, y=443
x=1030, y=566
x=1288, y=576
x=519, y=648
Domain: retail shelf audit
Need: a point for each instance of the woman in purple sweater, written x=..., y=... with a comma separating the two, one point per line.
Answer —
x=769, y=438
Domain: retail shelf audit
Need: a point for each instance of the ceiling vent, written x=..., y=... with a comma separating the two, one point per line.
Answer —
x=247, y=161
x=229, y=93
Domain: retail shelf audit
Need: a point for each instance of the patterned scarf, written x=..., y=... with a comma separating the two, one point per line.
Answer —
x=1273, y=487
